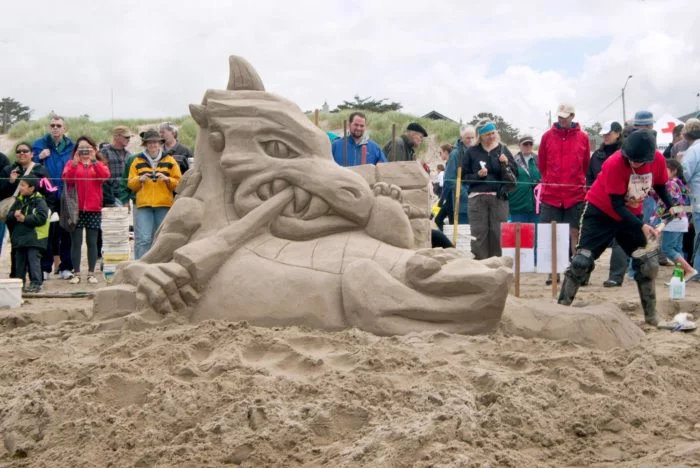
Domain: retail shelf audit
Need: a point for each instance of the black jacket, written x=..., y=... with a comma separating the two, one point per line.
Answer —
x=180, y=152
x=34, y=231
x=597, y=159
x=493, y=182
x=7, y=189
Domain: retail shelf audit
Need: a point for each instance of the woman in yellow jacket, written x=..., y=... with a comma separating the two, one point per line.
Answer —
x=153, y=177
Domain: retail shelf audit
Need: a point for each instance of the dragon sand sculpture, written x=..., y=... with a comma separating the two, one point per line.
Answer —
x=267, y=228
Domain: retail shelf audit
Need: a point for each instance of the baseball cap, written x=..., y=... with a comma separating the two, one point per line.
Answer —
x=611, y=126
x=565, y=110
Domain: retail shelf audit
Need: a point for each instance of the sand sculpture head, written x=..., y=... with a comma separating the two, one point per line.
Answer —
x=268, y=228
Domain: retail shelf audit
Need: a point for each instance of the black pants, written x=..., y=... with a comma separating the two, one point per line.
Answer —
x=28, y=258
x=618, y=263
x=59, y=244
x=598, y=230
x=77, y=245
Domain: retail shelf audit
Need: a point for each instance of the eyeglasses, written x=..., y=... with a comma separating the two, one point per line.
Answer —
x=22, y=151
x=55, y=125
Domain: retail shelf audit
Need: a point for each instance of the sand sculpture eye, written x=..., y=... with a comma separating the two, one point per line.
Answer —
x=217, y=141
x=278, y=149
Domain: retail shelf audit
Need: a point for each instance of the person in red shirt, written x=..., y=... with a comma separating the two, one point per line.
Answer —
x=613, y=210
x=563, y=158
x=87, y=174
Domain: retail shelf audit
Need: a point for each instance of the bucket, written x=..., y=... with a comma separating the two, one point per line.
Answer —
x=10, y=293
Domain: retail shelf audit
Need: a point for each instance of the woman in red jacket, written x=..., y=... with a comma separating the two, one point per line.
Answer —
x=87, y=174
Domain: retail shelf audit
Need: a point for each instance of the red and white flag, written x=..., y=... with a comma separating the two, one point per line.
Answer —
x=527, y=244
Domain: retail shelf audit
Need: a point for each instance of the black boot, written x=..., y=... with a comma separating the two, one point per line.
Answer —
x=569, y=288
x=647, y=294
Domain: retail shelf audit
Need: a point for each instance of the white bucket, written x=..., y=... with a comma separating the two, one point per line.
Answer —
x=10, y=293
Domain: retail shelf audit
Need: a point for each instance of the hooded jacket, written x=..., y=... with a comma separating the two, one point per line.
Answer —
x=57, y=159
x=7, y=188
x=34, y=231
x=597, y=160
x=522, y=199
x=563, y=159
x=153, y=193
x=88, y=180
x=373, y=153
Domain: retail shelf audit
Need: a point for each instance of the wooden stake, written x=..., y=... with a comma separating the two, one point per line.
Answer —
x=554, y=260
x=393, y=143
x=345, y=143
x=517, y=259
x=316, y=117
x=458, y=189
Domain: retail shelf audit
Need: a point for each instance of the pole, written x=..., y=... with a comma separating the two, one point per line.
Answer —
x=316, y=117
x=517, y=260
x=345, y=143
x=393, y=143
x=554, y=259
x=624, y=111
x=458, y=189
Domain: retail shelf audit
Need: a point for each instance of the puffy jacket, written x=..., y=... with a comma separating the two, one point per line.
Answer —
x=522, y=199
x=88, y=179
x=58, y=158
x=34, y=231
x=563, y=160
x=7, y=188
x=153, y=193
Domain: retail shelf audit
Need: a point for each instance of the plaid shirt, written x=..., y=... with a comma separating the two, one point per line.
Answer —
x=116, y=158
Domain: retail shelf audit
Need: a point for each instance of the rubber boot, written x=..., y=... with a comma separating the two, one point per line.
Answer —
x=569, y=288
x=647, y=294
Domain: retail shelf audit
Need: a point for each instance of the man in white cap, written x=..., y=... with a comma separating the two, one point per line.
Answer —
x=563, y=159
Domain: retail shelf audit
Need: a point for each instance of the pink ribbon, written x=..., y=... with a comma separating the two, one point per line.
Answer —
x=46, y=184
x=538, y=197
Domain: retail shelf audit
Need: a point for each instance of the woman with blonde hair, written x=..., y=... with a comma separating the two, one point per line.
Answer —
x=491, y=172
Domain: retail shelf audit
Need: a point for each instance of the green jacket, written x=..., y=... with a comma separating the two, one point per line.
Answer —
x=34, y=231
x=522, y=199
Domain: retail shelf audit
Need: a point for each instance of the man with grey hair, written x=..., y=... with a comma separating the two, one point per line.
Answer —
x=466, y=139
x=406, y=144
x=181, y=153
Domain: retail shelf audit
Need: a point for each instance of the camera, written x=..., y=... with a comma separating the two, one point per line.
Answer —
x=154, y=176
x=83, y=152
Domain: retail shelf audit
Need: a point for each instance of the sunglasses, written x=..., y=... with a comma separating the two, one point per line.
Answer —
x=22, y=151
x=56, y=126
x=527, y=143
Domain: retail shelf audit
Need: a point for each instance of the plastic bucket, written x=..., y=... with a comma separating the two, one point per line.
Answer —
x=10, y=293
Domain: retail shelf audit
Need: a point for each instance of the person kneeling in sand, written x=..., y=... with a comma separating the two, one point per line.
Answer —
x=613, y=210
x=28, y=220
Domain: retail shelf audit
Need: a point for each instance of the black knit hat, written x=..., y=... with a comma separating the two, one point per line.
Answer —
x=416, y=127
x=640, y=146
x=29, y=180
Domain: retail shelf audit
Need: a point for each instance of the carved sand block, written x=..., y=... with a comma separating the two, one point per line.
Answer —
x=269, y=229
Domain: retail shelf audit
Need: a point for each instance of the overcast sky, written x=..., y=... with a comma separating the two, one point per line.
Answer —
x=516, y=59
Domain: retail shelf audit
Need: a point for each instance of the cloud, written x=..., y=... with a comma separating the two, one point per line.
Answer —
x=517, y=59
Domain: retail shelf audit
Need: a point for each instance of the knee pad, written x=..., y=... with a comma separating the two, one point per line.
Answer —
x=646, y=268
x=582, y=264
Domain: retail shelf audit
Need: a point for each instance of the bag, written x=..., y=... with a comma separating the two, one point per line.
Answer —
x=7, y=203
x=68, y=216
x=508, y=177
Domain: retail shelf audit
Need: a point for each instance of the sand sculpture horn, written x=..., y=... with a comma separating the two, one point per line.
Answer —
x=269, y=229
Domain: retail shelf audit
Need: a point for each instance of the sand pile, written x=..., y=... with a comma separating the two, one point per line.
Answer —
x=218, y=393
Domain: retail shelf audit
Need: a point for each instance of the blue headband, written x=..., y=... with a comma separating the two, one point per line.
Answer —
x=489, y=127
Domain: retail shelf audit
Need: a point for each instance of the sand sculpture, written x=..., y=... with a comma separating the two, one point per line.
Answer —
x=269, y=229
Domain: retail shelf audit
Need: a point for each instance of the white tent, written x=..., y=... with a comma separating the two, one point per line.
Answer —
x=664, y=128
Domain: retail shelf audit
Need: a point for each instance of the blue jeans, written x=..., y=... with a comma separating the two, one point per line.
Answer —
x=672, y=245
x=147, y=220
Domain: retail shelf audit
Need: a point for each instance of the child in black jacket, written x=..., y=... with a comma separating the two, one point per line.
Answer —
x=28, y=221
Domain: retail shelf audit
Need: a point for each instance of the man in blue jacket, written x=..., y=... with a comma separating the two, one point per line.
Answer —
x=447, y=200
x=53, y=151
x=360, y=149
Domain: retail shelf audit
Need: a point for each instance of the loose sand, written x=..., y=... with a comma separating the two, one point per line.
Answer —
x=227, y=393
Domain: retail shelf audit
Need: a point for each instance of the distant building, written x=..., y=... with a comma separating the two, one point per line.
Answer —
x=685, y=117
x=324, y=107
x=435, y=115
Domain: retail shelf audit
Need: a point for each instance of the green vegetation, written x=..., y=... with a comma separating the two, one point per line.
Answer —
x=380, y=126
x=100, y=131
